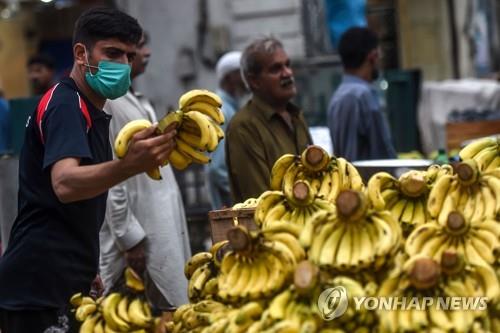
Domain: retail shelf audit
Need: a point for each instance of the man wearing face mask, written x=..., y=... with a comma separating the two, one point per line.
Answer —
x=231, y=90
x=136, y=232
x=269, y=125
x=65, y=170
x=358, y=128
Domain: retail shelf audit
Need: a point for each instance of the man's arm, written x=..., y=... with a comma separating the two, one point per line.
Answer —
x=343, y=123
x=73, y=182
x=247, y=167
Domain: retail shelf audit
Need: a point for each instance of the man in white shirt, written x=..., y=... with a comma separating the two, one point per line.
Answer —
x=145, y=226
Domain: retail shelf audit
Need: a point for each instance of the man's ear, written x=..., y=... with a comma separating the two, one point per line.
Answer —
x=253, y=82
x=373, y=56
x=79, y=53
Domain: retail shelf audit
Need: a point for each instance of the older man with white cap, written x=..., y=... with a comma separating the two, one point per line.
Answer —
x=231, y=90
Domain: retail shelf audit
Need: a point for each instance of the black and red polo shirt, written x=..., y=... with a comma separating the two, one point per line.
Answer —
x=53, y=250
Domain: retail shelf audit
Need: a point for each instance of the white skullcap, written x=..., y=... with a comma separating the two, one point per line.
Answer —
x=227, y=63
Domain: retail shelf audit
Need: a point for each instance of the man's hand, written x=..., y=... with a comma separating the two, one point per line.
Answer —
x=136, y=258
x=97, y=287
x=147, y=150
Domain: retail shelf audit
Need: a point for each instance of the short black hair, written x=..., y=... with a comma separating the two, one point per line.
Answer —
x=355, y=45
x=104, y=23
x=42, y=59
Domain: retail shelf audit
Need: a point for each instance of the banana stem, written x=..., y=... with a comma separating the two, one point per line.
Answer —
x=425, y=273
x=239, y=238
x=305, y=277
x=451, y=262
x=314, y=155
x=351, y=204
x=467, y=172
x=300, y=190
x=456, y=223
x=413, y=186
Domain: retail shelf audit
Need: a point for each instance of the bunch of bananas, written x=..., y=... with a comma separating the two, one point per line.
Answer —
x=189, y=317
x=405, y=198
x=116, y=312
x=477, y=240
x=474, y=193
x=258, y=265
x=421, y=276
x=356, y=237
x=197, y=123
x=486, y=152
x=326, y=175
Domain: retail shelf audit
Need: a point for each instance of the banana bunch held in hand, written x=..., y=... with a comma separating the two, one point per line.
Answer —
x=198, y=130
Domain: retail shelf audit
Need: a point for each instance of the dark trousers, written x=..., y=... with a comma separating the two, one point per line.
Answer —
x=37, y=321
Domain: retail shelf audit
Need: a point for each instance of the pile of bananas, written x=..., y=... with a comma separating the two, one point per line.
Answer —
x=116, y=312
x=430, y=233
x=486, y=152
x=197, y=123
x=248, y=203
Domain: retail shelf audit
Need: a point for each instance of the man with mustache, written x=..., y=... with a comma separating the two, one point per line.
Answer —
x=269, y=125
x=358, y=128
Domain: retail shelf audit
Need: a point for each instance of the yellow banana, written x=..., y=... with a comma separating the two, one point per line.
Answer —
x=109, y=312
x=137, y=315
x=192, y=139
x=154, y=174
x=438, y=194
x=199, y=120
x=133, y=281
x=179, y=160
x=213, y=140
x=473, y=148
x=196, y=261
x=84, y=311
x=122, y=309
x=279, y=169
x=126, y=134
x=196, y=155
x=210, y=110
x=199, y=95
x=376, y=184
x=170, y=118
x=89, y=323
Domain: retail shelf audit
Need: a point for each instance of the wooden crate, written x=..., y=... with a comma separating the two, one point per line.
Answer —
x=456, y=133
x=224, y=219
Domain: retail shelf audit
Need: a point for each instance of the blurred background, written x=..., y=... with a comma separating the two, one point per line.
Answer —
x=440, y=59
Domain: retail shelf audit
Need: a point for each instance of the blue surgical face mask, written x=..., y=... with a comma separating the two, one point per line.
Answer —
x=112, y=79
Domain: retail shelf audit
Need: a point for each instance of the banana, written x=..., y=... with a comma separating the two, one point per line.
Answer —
x=196, y=261
x=398, y=208
x=275, y=213
x=196, y=155
x=133, y=281
x=170, y=118
x=201, y=122
x=420, y=236
x=494, y=184
x=355, y=179
x=199, y=95
x=109, y=312
x=154, y=174
x=344, y=250
x=329, y=248
x=122, y=309
x=289, y=179
x=325, y=186
x=179, y=160
x=245, y=274
x=438, y=194
x=376, y=184
x=248, y=312
x=473, y=148
x=278, y=305
x=85, y=311
x=291, y=242
x=137, y=315
x=408, y=212
x=213, y=141
x=192, y=139
x=212, y=111
x=279, y=169
x=276, y=226
x=89, y=324
x=266, y=200
x=76, y=299
x=126, y=134
x=485, y=157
